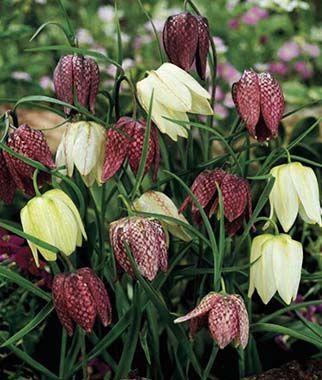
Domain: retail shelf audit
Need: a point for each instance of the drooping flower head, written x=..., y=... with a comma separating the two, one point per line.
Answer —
x=295, y=191
x=82, y=145
x=175, y=93
x=79, y=297
x=147, y=242
x=186, y=39
x=260, y=103
x=235, y=194
x=276, y=263
x=79, y=75
x=158, y=203
x=227, y=318
x=126, y=139
x=54, y=219
x=29, y=143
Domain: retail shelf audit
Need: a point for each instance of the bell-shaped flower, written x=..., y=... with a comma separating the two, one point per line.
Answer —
x=186, y=39
x=126, y=140
x=82, y=145
x=54, y=219
x=79, y=297
x=147, y=242
x=236, y=196
x=31, y=144
x=295, y=190
x=175, y=93
x=80, y=75
x=260, y=103
x=276, y=262
x=227, y=318
x=7, y=184
x=156, y=202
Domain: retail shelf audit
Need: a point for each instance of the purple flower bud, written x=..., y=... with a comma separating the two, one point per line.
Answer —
x=185, y=39
x=147, y=242
x=80, y=75
x=260, y=103
x=227, y=318
x=79, y=297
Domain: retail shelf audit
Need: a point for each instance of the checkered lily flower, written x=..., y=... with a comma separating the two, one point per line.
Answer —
x=78, y=297
x=126, y=140
x=147, y=242
x=227, y=319
x=186, y=39
x=79, y=75
x=235, y=194
x=260, y=103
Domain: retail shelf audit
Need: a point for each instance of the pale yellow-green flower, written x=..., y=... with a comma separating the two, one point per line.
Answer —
x=54, y=219
x=276, y=262
x=175, y=93
x=83, y=146
x=156, y=202
x=295, y=191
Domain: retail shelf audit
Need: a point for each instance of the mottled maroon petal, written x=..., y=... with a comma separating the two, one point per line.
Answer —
x=203, y=46
x=63, y=80
x=180, y=39
x=156, y=160
x=79, y=301
x=243, y=321
x=246, y=95
x=116, y=149
x=271, y=102
x=95, y=81
x=235, y=192
x=59, y=302
x=99, y=293
x=7, y=184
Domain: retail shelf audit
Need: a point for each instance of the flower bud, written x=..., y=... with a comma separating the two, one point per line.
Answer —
x=235, y=192
x=185, y=39
x=32, y=144
x=82, y=145
x=79, y=297
x=276, y=263
x=295, y=191
x=158, y=203
x=126, y=139
x=260, y=103
x=147, y=242
x=80, y=75
x=227, y=318
x=54, y=219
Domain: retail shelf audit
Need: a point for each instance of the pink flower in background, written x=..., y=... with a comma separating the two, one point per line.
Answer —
x=280, y=68
x=220, y=111
x=220, y=44
x=304, y=69
x=311, y=50
x=106, y=13
x=46, y=83
x=233, y=23
x=220, y=95
x=288, y=51
x=254, y=15
x=84, y=36
x=21, y=75
x=139, y=41
x=228, y=72
x=228, y=101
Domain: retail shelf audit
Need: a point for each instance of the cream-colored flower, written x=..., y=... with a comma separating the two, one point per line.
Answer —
x=156, y=202
x=83, y=146
x=276, y=263
x=54, y=219
x=175, y=93
x=295, y=191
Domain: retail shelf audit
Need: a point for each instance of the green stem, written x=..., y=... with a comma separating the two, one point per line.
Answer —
x=268, y=220
x=68, y=262
x=35, y=184
x=62, y=353
x=83, y=350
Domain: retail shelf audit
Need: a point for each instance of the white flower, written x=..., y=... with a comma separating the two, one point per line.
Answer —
x=295, y=191
x=54, y=219
x=175, y=93
x=158, y=203
x=83, y=146
x=276, y=263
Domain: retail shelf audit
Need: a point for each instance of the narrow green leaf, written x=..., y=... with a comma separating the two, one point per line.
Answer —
x=24, y=283
x=42, y=315
x=44, y=25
